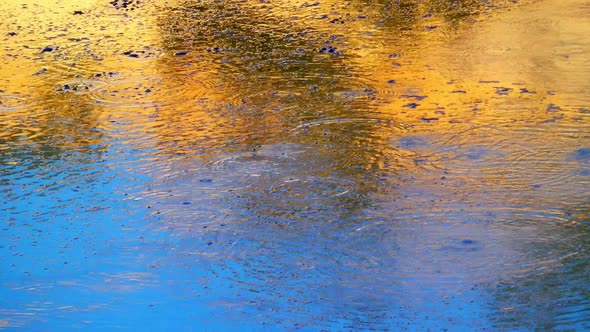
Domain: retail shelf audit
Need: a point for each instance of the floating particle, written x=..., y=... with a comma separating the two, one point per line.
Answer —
x=425, y=119
x=502, y=90
x=552, y=108
x=415, y=97
x=40, y=71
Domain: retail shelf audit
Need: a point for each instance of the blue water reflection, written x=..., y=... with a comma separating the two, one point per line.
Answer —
x=325, y=166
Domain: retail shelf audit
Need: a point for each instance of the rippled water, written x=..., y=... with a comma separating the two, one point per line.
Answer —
x=278, y=165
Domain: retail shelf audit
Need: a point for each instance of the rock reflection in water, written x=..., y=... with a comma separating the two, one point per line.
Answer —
x=254, y=165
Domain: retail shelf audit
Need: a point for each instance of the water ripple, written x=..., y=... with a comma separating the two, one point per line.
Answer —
x=482, y=245
x=14, y=101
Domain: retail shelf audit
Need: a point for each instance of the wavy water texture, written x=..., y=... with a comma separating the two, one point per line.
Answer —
x=294, y=165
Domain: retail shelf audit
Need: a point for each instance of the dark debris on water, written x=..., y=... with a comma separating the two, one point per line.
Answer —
x=104, y=74
x=552, y=108
x=428, y=119
x=131, y=54
x=48, y=49
x=329, y=50
x=525, y=90
x=125, y=4
x=415, y=97
x=40, y=71
x=73, y=88
x=502, y=91
x=145, y=53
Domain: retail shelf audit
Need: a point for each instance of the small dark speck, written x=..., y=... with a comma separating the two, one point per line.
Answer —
x=206, y=180
x=186, y=203
x=468, y=241
x=430, y=27
x=133, y=55
x=209, y=243
x=148, y=90
x=415, y=97
x=181, y=53
x=11, y=34
x=411, y=105
x=502, y=90
x=41, y=71
x=391, y=81
x=47, y=49
x=552, y=108
x=78, y=12
x=428, y=119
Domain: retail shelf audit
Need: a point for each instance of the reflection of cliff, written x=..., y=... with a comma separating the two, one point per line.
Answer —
x=56, y=64
x=538, y=44
x=257, y=74
x=270, y=75
x=55, y=123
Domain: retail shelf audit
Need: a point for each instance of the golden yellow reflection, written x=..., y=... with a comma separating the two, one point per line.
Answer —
x=190, y=77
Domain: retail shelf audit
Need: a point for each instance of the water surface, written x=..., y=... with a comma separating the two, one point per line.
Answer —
x=264, y=165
